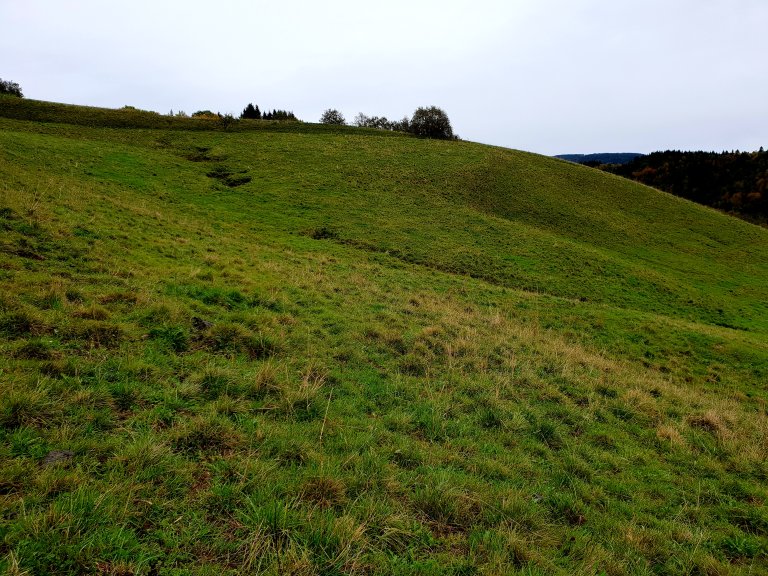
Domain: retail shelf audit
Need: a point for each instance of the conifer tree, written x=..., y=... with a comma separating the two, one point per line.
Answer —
x=251, y=112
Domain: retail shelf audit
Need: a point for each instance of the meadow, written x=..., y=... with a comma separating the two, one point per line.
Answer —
x=286, y=348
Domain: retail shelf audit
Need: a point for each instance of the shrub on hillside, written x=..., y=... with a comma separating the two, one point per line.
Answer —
x=431, y=122
x=206, y=114
x=12, y=88
x=381, y=123
x=332, y=116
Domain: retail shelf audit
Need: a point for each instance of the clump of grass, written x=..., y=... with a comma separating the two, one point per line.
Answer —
x=25, y=407
x=547, y=432
x=14, y=476
x=288, y=452
x=225, y=337
x=391, y=338
x=173, y=338
x=265, y=380
x=229, y=406
x=710, y=421
x=205, y=434
x=407, y=458
x=323, y=492
x=124, y=394
x=442, y=502
x=322, y=233
x=25, y=441
x=260, y=346
x=215, y=382
x=120, y=297
x=268, y=302
x=300, y=399
x=74, y=295
x=491, y=418
x=741, y=547
x=21, y=323
x=670, y=434
x=97, y=334
x=35, y=350
x=414, y=364
x=93, y=312
x=58, y=367
x=51, y=299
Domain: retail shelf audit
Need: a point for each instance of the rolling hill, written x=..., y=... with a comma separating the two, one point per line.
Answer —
x=286, y=348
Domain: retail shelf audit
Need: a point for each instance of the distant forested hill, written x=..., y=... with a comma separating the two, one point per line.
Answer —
x=601, y=158
x=735, y=182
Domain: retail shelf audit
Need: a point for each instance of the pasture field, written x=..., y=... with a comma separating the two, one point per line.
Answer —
x=286, y=348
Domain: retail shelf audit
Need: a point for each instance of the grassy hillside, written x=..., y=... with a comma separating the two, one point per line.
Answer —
x=289, y=349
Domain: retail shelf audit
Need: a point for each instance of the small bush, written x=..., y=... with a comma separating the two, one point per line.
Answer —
x=431, y=122
x=10, y=88
x=332, y=116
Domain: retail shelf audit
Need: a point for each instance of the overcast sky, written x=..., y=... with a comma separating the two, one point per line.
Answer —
x=549, y=76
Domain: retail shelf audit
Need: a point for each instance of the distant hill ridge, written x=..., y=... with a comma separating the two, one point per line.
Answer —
x=601, y=157
x=735, y=182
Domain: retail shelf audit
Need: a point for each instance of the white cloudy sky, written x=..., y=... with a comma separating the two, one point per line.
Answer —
x=550, y=76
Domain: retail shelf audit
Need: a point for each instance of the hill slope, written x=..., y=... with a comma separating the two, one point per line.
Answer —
x=288, y=348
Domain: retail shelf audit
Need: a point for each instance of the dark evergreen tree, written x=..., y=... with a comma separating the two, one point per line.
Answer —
x=251, y=112
x=278, y=115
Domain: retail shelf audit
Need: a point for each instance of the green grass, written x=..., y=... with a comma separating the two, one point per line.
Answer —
x=287, y=349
